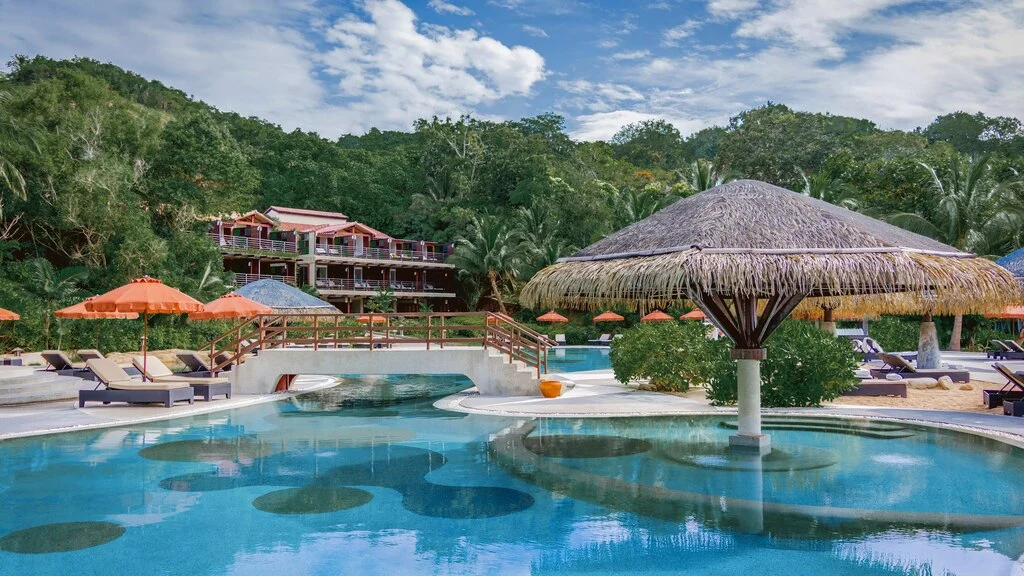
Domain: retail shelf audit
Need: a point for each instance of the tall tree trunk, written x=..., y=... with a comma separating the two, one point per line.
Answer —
x=492, y=276
x=954, y=338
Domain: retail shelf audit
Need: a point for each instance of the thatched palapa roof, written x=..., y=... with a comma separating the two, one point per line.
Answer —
x=748, y=238
x=285, y=299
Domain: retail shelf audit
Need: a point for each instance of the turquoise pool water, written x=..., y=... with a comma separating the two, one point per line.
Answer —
x=369, y=478
x=573, y=359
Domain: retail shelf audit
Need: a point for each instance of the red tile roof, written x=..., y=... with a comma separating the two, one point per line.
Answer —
x=305, y=212
x=335, y=228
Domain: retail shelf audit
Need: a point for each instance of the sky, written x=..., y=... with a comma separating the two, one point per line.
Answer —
x=339, y=66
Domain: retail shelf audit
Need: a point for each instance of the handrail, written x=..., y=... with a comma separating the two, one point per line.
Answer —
x=376, y=253
x=241, y=278
x=259, y=244
x=488, y=329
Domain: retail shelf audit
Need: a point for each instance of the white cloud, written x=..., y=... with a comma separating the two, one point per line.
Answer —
x=730, y=9
x=534, y=31
x=814, y=24
x=608, y=43
x=672, y=36
x=659, y=6
x=263, y=57
x=442, y=7
x=604, y=125
x=631, y=55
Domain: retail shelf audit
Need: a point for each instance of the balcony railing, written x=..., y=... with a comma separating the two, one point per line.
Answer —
x=243, y=279
x=254, y=244
x=375, y=285
x=379, y=253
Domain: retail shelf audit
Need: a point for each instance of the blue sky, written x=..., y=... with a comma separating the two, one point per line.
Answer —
x=338, y=67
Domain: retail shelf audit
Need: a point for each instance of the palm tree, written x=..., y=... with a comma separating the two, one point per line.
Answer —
x=491, y=251
x=704, y=175
x=54, y=288
x=632, y=206
x=822, y=185
x=13, y=133
x=970, y=212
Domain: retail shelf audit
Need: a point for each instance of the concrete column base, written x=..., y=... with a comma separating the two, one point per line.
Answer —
x=929, y=355
x=760, y=444
x=829, y=328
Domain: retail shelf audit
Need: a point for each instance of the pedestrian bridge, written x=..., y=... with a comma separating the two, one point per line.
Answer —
x=500, y=356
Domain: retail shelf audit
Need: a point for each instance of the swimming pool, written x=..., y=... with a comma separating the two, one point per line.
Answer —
x=578, y=359
x=369, y=478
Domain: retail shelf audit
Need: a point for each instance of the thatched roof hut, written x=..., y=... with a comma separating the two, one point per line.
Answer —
x=747, y=253
x=753, y=239
x=285, y=299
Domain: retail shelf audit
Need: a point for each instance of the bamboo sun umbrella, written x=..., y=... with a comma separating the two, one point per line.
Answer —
x=747, y=253
x=552, y=317
x=608, y=316
x=7, y=315
x=693, y=315
x=231, y=306
x=80, y=312
x=145, y=296
x=656, y=316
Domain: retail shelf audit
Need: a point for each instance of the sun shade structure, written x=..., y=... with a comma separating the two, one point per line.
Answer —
x=372, y=318
x=1014, y=262
x=656, y=316
x=80, y=312
x=284, y=299
x=693, y=315
x=7, y=315
x=552, y=316
x=231, y=306
x=746, y=253
x=144, y=296
x=608, y=316
x=1011, y=313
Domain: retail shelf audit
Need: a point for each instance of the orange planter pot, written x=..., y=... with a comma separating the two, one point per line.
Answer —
x=551, y=388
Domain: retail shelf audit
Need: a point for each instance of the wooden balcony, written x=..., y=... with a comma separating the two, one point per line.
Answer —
x=373, y=286
x=244, y=244
x=379, y=254
x=243, y=279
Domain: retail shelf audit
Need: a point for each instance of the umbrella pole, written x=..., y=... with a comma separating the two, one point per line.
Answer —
x=96, y=335
x=145, y=342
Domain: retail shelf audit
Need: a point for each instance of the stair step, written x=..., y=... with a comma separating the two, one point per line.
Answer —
x=865, y=431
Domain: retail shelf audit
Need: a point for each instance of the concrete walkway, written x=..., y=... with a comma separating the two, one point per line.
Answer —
x=65, y=415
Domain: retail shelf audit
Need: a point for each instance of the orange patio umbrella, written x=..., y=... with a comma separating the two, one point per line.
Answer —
x=8, y=315
x=79, y=312
x=656, y=316
x=231, y=306
x=372, y=318
x=1011, y=313
x=146, y=296
x=693, y=315
x=552, y=317
x=608, y=316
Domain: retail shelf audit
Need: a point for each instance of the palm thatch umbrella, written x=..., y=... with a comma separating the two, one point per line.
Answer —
x=656, y=316
x=608, y=316
x=7, y=315
x=552, y=317
x=747, y=253
x=693, y=315
x=284, y=298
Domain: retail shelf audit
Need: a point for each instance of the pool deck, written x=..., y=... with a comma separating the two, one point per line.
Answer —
x=65, y=416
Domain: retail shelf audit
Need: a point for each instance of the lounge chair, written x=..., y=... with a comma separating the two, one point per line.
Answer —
x=604, y=340
x=195, y=364
x=59, y=362
x=560, y=339
x=157, y=371
x=87, y=354
x=873, y=350
x=878, y=387
x=1012, y=390
x=121, y=387
x=896, y=364
x=996, y=349
x=1013, y=346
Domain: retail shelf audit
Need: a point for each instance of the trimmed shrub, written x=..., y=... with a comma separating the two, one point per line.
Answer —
x=804, y=367
x=672, y=356
x=897, y=334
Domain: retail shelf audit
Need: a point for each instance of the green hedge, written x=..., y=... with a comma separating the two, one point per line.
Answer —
x=672, y=356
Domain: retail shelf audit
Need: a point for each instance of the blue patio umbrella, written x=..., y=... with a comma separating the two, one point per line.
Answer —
x=1014, y=262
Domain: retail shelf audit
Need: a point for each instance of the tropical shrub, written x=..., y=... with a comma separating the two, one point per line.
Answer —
x=804, y=366
x=672, y=356
x=896, y=333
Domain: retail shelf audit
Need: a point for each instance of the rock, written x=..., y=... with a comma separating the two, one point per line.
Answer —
x=945, y=383
x=921, y=383
x=966, y=387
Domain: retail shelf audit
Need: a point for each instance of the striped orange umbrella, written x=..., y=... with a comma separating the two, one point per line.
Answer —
x=80, y=312
x=147, y=296
x=552, y=317
x=693, y=315
x=8, y=315
x=608, y=316
x=231, y=306
x=656, y=316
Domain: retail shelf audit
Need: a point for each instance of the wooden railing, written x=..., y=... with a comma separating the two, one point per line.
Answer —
x=376, y=285
x=374, y=253
x=336, y=331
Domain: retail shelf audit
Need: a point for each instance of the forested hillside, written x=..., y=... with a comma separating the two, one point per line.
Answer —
x=105, y=176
